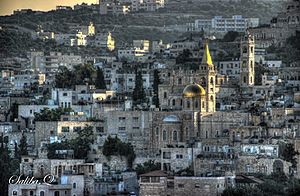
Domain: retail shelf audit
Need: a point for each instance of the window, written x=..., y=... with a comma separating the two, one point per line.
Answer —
x=173, y=102
x=122, y=128
x=188, y=104
x=56, y=193
x=179, y=81
x=42, y=193
x=145, y=179
x=155, y=179
x=196, y=104
x=211, y=98
x=15, y=192
x=197, y=185
x=179, y=156
x=174, y=135
x=74, y=185
x=65, y=94
x=122, y=119
x=76, y=129
x=164, y=135
x=180, y=185
x=157, y=131
x=99, y=129
x=135, y=119
x=244, y=79
x=165, y=95
x=65, y=129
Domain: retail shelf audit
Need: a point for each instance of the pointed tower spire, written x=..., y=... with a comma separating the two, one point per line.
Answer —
x=206, y=59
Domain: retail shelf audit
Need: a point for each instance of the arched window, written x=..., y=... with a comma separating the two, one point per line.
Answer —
x=179, y=81
x=31, y=193
x=164, y=135
x=165, y=95
x=42, y=193
x=74, y=185
x=173, y=102
x=211, y=98
x=203, y=81
x=174, y=135
x=188, y=104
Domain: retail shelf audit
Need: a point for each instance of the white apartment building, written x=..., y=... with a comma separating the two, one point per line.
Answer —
x=27, y=78
x=49, y=63
x=229, y=68
x=221, y=25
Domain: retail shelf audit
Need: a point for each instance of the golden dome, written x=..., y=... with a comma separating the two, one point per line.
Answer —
x=193, y=90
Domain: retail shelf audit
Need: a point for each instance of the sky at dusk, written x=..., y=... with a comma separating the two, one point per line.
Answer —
x=7, y=6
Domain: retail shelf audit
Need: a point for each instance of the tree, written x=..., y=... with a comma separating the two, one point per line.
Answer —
x=8, y=166
x=114, y=146
x=156, y=82
x=80, y=75
x=290, y=154
x=230, y=36
x=100, y=82
x=148, y=166
x=14, y=111
x=23, y=145
x=47, y=114
x=80, y=145
x=138, y=94
x=184, y=57
x=64, y=78
x=4, y=166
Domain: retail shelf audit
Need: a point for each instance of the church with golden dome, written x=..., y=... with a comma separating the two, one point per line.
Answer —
x=186, y=97
x=191, y=90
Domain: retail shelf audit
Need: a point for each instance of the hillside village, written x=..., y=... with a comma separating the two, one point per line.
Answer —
x=151, y=97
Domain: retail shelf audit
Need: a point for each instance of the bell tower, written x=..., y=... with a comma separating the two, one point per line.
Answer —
x=247, y=61
x=208, y=79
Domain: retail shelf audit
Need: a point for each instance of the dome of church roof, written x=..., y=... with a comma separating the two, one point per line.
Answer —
x=171, y=118
x=193, y=90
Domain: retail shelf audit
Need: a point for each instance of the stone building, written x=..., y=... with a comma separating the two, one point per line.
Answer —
x=69, y=185
x=284, y=25
x=159, y=183
x=54, y=131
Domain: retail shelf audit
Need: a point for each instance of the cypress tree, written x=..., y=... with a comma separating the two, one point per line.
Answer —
x=156, y=82
x=138, y=95
x=100, y=82
x=23, y=145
